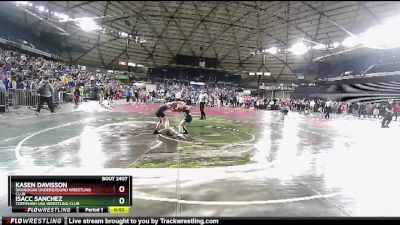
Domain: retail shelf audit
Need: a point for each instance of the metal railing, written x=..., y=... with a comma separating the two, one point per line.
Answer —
x=3, y=100
x=24, y=97
x=58, y=97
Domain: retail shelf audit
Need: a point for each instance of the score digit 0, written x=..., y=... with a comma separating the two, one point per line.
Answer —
x=121, y=200
x=121, y=189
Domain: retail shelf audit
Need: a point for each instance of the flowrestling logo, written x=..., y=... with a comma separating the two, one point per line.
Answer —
x=142, y=221
x=111, y=221
x=48, y=221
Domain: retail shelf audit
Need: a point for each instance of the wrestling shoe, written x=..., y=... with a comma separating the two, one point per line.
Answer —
x=156, y=132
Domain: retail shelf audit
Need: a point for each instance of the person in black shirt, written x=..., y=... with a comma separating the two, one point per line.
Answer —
x=388, y=114
x=160, y=113
x=182, y=107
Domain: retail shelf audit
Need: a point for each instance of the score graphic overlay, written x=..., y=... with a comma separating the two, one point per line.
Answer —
x=115, y=221
x=70, y=194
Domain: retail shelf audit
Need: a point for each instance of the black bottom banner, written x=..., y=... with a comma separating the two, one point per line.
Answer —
x=177, y=220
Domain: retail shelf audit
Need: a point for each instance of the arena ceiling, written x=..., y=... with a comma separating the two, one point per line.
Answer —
x=229, y=31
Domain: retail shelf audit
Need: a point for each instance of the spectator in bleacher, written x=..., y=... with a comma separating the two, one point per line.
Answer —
x=2, y=87
x=14, y=83
x=72, y=84
x=33, y=85
x=65, y=79
x=6, y=83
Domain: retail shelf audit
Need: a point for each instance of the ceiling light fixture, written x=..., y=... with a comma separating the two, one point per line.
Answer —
x=298, y=49
x=351, y=41
x=88, y=25
x=272, y=50
x=335, y=44
x=123, y=34
x=142, y=40
x=319, y=47
x=63, y=17
x=22, y=3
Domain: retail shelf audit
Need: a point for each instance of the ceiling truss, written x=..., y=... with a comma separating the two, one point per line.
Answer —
x=226, y=31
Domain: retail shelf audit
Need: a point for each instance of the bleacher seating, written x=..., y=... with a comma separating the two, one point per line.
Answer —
x=385, y=67
x=192, y=74
x=357, y=66
x=12, y=32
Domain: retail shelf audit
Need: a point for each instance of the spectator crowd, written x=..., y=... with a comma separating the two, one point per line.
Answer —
x=20, y=70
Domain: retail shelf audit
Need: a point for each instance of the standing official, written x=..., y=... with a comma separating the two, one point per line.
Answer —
x=203, y=97
x=328, y=105
x=45, y=92
x=388, y=114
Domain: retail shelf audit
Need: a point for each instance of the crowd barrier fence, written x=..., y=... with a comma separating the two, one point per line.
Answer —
x=25, y=97
x=3, y=100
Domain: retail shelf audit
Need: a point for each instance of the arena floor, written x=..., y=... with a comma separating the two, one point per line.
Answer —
x=235, y=163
